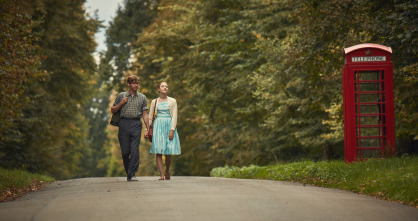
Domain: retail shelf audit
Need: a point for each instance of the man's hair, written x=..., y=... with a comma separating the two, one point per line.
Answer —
x=132, y=79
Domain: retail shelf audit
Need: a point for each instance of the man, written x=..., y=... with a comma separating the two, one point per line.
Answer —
x=133, y=106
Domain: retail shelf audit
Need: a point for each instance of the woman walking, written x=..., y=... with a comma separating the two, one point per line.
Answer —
x=165, y=139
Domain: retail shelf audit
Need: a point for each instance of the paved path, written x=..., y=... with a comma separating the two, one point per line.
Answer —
x=197, y=198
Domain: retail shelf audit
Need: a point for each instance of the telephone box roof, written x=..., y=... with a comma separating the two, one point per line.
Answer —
x=367, y=45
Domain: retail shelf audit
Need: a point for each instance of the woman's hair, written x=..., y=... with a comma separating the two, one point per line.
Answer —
x=159, y=84
x=132, y=79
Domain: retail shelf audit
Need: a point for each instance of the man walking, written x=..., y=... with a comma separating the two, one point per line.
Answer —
x=133, y=106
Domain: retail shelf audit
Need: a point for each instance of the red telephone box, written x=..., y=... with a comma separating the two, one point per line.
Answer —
x=369, y=125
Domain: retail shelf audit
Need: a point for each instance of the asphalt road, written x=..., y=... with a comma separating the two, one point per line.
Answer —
x=197, y=198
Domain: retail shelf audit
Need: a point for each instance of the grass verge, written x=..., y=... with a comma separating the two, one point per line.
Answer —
x=394, y=179
x=14, y=183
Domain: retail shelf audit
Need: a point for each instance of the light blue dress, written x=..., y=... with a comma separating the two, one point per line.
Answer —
x=161, y=129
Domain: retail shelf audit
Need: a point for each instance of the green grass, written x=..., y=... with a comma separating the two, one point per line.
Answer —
x=394, y=179
x=12, y=179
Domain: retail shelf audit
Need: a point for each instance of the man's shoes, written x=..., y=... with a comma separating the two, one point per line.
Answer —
x=133, y=178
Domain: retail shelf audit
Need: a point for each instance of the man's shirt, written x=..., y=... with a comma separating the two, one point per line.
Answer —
x=134, y=107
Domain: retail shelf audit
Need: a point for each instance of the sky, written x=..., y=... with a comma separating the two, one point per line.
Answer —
x=106, y=11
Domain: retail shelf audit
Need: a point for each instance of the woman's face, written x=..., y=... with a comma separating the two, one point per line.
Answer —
x=163, y=88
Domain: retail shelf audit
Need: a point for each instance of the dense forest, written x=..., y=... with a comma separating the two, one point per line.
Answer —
x=256, y=81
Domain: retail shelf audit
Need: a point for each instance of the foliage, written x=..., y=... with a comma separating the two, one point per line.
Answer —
x=206, y=51
x=398, y=28
x=120, y=35
x=98, y=117
x=19, y=62
x=325, y=31
x=391, y=179
x=256, y=84
x=114, y=66
x=256, y=81
x=50, y=134
x=18, y=178
x=14, y=183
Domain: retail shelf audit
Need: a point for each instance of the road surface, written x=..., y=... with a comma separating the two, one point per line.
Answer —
x=197, y=198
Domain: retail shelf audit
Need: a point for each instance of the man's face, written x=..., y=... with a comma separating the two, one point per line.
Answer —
x=134, y=86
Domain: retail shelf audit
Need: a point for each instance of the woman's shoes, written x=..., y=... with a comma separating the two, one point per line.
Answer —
x=167, y=176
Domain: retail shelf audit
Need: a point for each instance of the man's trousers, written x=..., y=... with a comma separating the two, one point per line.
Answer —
x=129, y=139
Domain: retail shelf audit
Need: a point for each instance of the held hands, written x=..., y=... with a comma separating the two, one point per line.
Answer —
x=146, y=134
x=171, y=135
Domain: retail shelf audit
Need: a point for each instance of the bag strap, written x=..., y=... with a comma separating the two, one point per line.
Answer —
x=153, y=112
x=124, y=95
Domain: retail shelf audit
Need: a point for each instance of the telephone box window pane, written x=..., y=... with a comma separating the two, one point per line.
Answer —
x=369, y=86
x=368, y=154
x=370, y=143
x=383, y=118
x=369, y=109
x=368, y=120
x=369, y=98
x=369, y=76
x=365, y=131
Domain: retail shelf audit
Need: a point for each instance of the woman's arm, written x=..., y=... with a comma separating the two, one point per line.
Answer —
x=145, y=117
x=174, y=115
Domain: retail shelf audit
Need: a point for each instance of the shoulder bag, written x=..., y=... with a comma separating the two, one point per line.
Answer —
x=114, y=121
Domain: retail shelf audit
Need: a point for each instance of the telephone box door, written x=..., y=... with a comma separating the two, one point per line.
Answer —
x=369, y=112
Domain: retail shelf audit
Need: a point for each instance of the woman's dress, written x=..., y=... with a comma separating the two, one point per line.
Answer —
x=161, y=129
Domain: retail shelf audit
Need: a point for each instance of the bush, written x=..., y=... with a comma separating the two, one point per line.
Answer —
x=391, y=179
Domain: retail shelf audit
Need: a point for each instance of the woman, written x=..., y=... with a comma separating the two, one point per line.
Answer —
x=165, y=139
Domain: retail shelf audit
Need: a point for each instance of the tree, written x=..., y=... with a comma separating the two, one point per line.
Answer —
x=51, y=130
x=115, y=63
x=122, y=31
x=207, y=52
x=19, y=61
x=397, y=28
x=260, y=81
